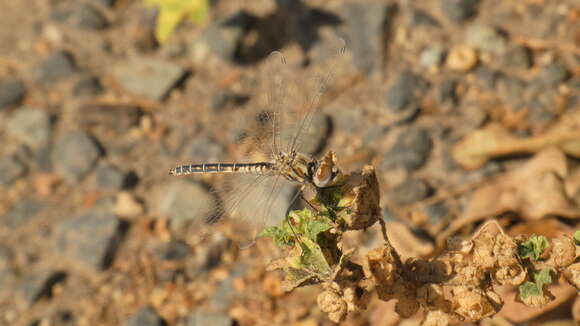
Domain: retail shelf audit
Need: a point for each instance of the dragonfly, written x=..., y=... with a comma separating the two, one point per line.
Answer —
x=285, y=162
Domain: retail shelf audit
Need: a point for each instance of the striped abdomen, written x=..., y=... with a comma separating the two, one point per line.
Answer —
x=253, y=168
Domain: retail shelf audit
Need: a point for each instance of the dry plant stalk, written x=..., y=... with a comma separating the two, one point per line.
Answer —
x=457, y=285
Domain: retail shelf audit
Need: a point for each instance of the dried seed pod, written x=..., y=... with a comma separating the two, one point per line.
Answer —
x=474, y=304
x=572, y=275
x=563, y=252
x=331, y=302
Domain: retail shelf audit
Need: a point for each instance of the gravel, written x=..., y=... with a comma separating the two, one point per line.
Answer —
x=79, y=15
x=31, y=126
x=146, y=316
x=10, y=170
x=75, y=155
x=57, y=66
x=403, y=93
x=409, y=192
x=87, y=86
x=12, y=92
x=185, y=202
x=459, y=11
x=202, y=318
x=410, y=151
x=22, y=213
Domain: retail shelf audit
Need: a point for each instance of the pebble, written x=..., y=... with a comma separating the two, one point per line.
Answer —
x=224, y=37
x=422, y=18
x=105, y=3
x=10, y=170
x=114, y=118
x=23, y=212
x=462, y=58
x=128, y=206
x=410, y=150
x=12, y=93
x=91, y=239
x=447, y=92
x=148, y=78
x=517, y=57
x=409, y=192
x=202, y=318
x=437, y=212
x=227, y=99
x=6, y=271
x=110, y=177
x=43, y=159
x=38, y=284
x=487, y=77
x=553, y=74
x=486, y=38
x=87, y=86
x=511, y=89
x=186, y=201
x=209, y=256
x=146, y=316
x=363, y=25
x=174, y=250
x=459, y=11
x=57, y=66
x=402, y=95
x=75, y=155
x=79, y=15
x=205, y=149
x=225, y=293
x=31, y=126
x=432, y=56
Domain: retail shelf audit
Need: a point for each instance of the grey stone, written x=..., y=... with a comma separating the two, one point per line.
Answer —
x=31, y=126
x=208, y=257
x=446, y=93
x=315, y=135
x=12, y=93
x=403, y=93
x=87, y=86
x=38, y=284
x=459, y=11
x=410, y=151
x=117, y=118
x=10, y=169
x=43, y=159
x=79, y=15
x=486, y=38
x=227, y=99
x=487, y=77
x=22, y=212
x=363, y=26
x=225, y=293
x=422, y=18
x=110, y=177
x=105, y=3
x=63, y=318
x=225, y=36
x=146, y=316
x=75, y=155
x=511, y=89
x=202, y=318
x=432, y=56
x=409, y=192
x=148, y=78
x=91, y=239
x=517, y=57
x=553, y=74
x=174, y=250
x=57, y=66
x=437, y=212
x=205, y=149
x=184, y=202
x=6, y=270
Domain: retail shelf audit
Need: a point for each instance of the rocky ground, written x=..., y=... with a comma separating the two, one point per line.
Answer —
x=94, y=112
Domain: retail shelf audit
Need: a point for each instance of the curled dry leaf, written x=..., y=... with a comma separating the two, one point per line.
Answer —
x=474, y=304
x=331, y=302
x=572, y=275
x=495, y=141
x=562, y=252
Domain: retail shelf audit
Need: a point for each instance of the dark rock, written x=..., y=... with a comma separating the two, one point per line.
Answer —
x=184, y=202
x=91, y=239
x=437, y=212
x=227, y=99
x=174, y=250
x=59, y=65
x=79, y=15
x=409, y=192
x=432, y=56
x=110, y=177
x=511, y=89
x=105, y=3
x=224, y=37
x=12, y=93
x=410, y=150
x=364, y=25
x=446, y=94
x=403, y=93
x=110, y=118
x=553, y=74
x=459, y=11
x=63, y=318
x=31, y=126
x=22, y=212
x=75, y=155
x=208, y=257
x=148, y=78
x=486, y=38
x=43, y=159
x=39, y=284
x=10, y=169
x=421, y=18
x=488, y=77
x=205, y=149
x=87, y=86
x=517, y=57
x=202, y=318
x=147, y=316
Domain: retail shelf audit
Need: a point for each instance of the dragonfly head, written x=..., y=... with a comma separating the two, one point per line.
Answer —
x=324, y=172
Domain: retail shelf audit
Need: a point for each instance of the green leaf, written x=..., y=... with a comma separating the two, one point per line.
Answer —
x=172, y=12
x=315, y=227
x=577, y=237
x=312, y=257
x=534, y=247
x=535, y=288
x=281, y=236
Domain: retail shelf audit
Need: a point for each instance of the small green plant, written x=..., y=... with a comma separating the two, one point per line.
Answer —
x=534, y=247
x=173, y=12
x=536, y=288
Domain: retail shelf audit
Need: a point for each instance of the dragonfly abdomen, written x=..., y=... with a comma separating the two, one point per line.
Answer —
x=253, y=168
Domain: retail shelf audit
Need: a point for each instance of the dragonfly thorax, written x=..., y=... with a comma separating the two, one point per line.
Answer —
x=301, y=168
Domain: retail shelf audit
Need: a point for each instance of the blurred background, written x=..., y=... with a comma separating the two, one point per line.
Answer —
x=468, y=110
